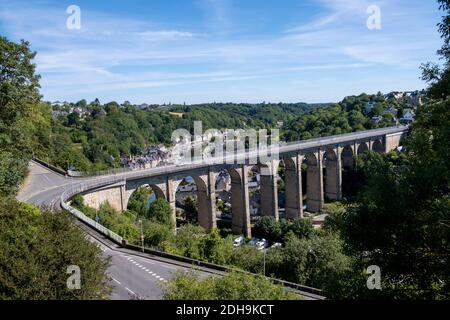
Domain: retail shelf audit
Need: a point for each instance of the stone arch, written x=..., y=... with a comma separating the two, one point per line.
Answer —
x=347, y=156
x=377, y=146
x=330, y=155
x=311, y=159
x=158, y=191
x=200, y=186
x=363, y=147
x=156, y=188
x=222, y=181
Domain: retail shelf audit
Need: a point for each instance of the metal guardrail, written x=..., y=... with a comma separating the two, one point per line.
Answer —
x=50, y=166
x=66, y=195
x=97, y=226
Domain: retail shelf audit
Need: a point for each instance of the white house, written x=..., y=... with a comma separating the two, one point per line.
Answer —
x=408, y=116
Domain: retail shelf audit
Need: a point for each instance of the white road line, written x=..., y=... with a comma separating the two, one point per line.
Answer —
x=116, y=280
x=130, y=291
x=145, y=261
x=157, y=277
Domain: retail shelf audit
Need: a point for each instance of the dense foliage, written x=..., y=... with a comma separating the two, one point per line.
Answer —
x=233, y=286
x=400, y=220
x=37, y=247
x=22, y=124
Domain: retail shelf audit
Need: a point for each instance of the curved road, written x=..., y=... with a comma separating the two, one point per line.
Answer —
x=133, y=275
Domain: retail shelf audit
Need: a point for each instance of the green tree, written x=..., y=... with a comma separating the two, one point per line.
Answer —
x=248, y=258
x=190, y=209
x=19, y=96
x=268, y=228
x=232, y=286
x=301, y=227
x=157, y=234
x=139, y=201
x=408, y=234
x=160, y=211
x=216, y=249
x=437, y=77
x=36, y=250
x=319, y=262
x=188, y=240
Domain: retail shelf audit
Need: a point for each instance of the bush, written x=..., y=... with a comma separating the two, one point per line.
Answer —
x=318, y=262
x=301, y=227
x=215, y=249
x=188, y=239
x=232, y=286
x=36, y=248
x=161, y=212
x=157, y=234
x=268, y=228
x=248, y=258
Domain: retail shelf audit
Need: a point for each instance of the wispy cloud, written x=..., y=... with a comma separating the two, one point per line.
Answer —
x=165, y=34
x=116, y=56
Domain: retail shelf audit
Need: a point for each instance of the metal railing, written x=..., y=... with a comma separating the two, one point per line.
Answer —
x=253, y=152
x=79, y=188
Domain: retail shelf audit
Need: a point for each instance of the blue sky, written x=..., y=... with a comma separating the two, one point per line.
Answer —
x=197, y=51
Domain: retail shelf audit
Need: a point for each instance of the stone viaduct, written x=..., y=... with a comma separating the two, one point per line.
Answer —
x=325, y=159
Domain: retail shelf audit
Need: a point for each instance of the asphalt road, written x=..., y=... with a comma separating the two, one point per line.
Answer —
x=133, y=276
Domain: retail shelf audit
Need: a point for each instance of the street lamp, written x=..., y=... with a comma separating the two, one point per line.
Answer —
x=142, y=235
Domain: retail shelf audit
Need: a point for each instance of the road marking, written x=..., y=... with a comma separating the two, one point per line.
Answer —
x=145, y=261
x=116, y=280
x=130, y=291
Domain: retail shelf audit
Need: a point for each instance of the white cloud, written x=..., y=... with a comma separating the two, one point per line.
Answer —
x=115, y=54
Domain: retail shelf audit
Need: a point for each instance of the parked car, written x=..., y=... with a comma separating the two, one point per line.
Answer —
x=253, y=242
x=262, y=244
x=276, y=245
x=239, y=241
